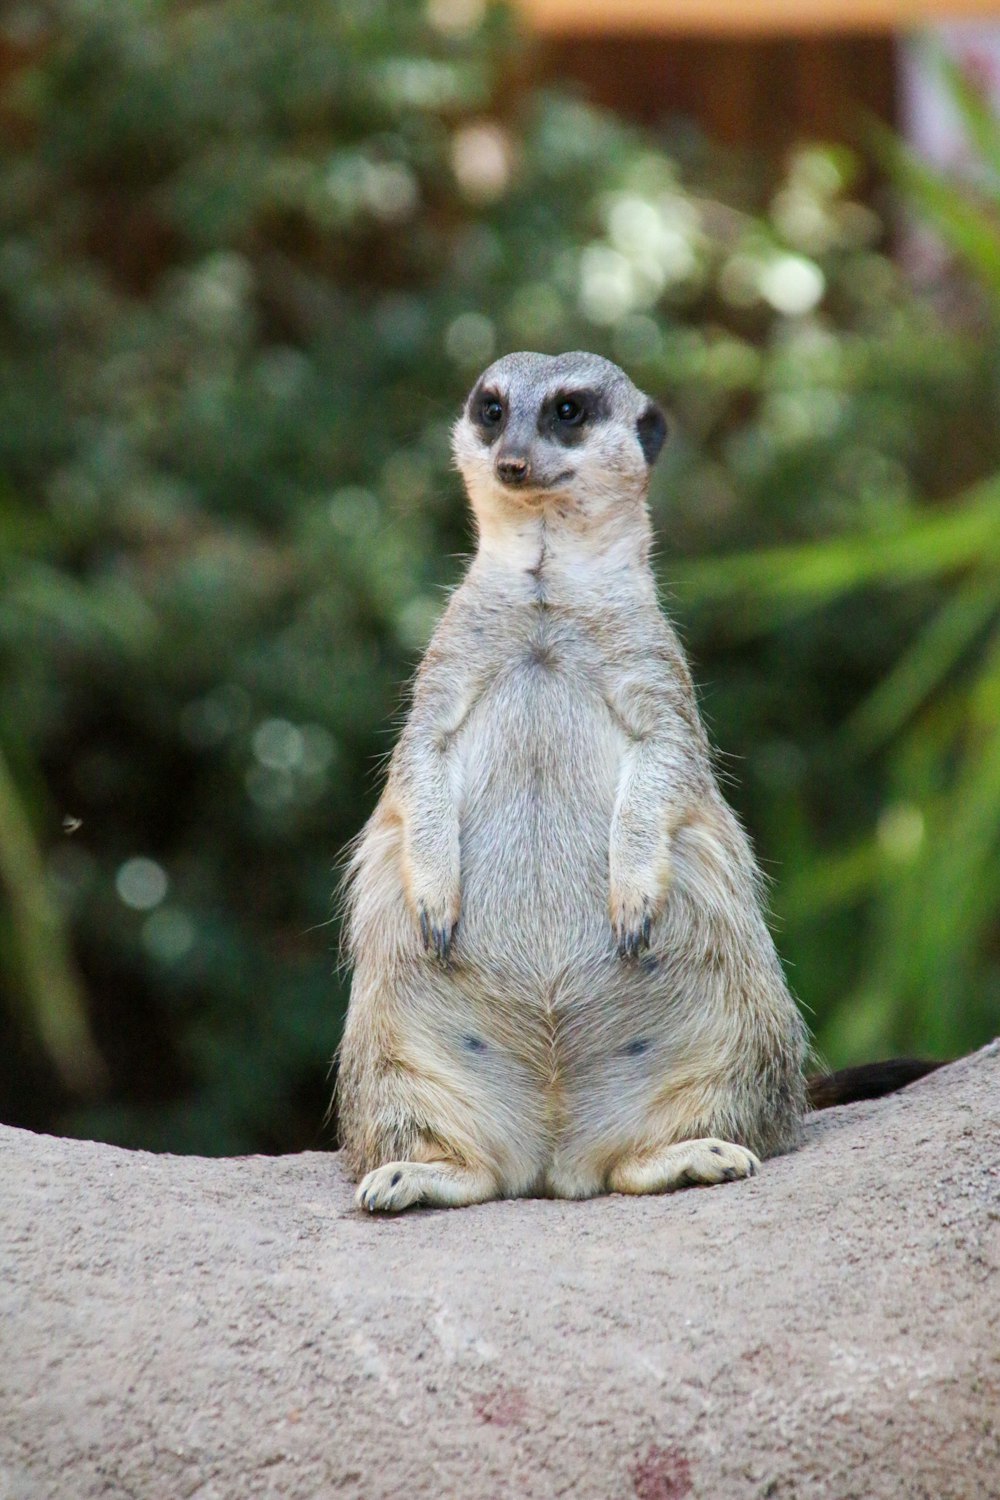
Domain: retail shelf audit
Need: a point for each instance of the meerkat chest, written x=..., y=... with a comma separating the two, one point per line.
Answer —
x=551, y=626
x=548, y=644
x=541, y=753
x=550, y=673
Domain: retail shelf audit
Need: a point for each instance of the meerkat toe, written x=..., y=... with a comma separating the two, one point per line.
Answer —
x=711, y=1161
x=696, y=1163
x=437, y=1184
x=437, y=932
x=633, y=912
x=390, y=1188
x=632, y=936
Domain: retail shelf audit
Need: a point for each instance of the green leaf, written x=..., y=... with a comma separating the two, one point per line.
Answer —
x=770, y=586
x=922, y=669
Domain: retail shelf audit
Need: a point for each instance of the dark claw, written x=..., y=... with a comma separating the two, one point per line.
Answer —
x=436, y=940
x=633, y=940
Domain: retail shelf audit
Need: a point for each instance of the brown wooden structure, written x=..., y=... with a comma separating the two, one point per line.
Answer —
x=755, y=18
x=750, y=73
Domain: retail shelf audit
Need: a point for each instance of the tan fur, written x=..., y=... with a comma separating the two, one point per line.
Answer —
x=563, y=981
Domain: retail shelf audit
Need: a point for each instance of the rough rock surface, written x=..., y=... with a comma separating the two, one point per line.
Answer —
x=174, y=1327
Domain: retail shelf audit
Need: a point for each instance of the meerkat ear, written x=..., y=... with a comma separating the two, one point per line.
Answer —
x=651, y=429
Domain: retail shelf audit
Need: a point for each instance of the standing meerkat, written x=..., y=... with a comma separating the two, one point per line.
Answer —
x=563, y=980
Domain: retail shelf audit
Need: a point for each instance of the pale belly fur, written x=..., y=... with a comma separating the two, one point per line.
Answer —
x=539, y=762
x=550, y=1027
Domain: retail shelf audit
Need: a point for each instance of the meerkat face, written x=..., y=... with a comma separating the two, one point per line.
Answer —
x=567, y=429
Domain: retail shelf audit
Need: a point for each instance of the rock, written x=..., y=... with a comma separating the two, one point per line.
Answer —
x=177, y=1327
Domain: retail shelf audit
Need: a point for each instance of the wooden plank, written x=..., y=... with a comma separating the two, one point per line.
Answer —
x=757, y=93
x=744, y=17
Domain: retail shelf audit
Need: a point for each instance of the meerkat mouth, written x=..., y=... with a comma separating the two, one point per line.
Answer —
x=536, y=494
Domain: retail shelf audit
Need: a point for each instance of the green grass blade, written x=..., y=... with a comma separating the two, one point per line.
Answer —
x=925, y=666
x=772, y=585
x=979, y=119
x=55, y=1001
x=970, y=229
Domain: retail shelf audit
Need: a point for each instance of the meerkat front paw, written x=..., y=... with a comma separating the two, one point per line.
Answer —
x=632, y=916
x=437, y=929
x=435, y=905
x=432, y=885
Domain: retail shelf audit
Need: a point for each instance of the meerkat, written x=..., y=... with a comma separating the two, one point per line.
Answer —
x=563, y=981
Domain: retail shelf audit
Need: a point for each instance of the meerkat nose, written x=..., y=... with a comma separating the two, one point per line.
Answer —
x=513, y=470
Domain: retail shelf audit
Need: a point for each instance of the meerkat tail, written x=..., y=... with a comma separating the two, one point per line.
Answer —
x=869, y=1081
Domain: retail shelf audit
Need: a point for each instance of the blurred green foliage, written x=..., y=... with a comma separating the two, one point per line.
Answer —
x=253, y=253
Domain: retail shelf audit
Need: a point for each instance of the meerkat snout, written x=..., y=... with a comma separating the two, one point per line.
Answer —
x=513, y=470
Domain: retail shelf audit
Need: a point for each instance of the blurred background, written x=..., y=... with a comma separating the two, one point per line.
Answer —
x=252, y=255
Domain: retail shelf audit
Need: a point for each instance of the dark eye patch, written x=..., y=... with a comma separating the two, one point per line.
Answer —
x=567, y=414
x=487, y=412
x=570, y=411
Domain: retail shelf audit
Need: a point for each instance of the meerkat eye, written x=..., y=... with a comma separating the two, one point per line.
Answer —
x=491, y=411
x=570, y=412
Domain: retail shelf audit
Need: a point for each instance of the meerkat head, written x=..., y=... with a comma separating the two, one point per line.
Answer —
x=565, y=431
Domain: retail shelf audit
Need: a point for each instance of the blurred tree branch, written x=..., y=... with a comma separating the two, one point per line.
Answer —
x=57, y=1006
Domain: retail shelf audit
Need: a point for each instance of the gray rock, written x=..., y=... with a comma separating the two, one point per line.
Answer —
x=198, y=1330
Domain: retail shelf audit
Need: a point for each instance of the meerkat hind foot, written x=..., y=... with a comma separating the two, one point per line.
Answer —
x=436, y=1184
x=695, y=1163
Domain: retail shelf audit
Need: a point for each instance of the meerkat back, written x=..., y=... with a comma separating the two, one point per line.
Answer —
x=563, y=983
